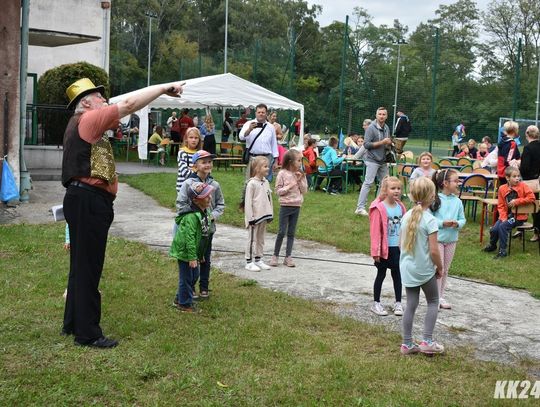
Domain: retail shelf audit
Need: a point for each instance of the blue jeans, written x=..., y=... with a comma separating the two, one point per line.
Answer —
x=499, y=232
x=205, y=268
x=186, y=280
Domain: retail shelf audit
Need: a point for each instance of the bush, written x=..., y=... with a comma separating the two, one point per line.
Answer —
x=52, y=87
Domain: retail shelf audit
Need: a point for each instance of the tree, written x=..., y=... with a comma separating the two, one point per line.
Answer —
x=52, y=87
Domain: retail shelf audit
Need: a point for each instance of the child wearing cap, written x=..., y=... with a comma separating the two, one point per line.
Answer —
x=190, y=241
x=202, y=167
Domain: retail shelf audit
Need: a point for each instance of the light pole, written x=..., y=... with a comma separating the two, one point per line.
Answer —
x=537, y=94
x=226, y=36
x=399, y=43
x=150, y=15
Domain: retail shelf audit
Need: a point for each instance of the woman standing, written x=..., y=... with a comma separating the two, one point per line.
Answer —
x=279, y=135
x=208, y=130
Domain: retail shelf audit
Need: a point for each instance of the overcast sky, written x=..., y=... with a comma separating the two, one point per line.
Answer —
x=409, y=12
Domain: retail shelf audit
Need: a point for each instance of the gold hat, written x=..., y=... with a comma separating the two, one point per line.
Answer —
x=81, y=88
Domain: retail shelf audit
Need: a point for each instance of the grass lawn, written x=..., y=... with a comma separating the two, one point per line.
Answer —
x=248, y=347
x=330, y=219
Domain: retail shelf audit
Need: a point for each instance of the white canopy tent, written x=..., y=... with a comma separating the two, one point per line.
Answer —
x=213, y=92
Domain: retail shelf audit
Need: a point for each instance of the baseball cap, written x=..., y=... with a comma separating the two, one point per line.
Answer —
x=199, y=190
x=202, y=154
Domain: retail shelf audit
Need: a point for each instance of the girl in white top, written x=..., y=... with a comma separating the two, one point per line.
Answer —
x=420, y=266
x=424, y=167
x=258, y=211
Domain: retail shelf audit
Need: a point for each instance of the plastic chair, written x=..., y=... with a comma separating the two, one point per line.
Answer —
x=325, y=174
x=445, y=161
x=474, y=188
x=467, y=169
x=305, y=164
x=525, y=209
x=404, y=174
x=464, y=161
x=409, y=156
x=435, y=166
x=481, y=171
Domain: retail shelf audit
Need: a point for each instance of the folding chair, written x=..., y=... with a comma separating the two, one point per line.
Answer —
x=473, y=189
x=445, y=162
x=528, y=209
x=325, y=174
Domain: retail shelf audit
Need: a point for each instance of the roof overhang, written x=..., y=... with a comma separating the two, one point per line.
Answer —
x=48, y=38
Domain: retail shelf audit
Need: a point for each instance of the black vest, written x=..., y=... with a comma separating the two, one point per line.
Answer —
x=82, y=159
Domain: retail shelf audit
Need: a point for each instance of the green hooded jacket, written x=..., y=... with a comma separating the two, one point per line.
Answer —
x=192, y=235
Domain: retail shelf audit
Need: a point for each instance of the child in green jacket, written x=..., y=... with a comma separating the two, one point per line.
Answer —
x=189, y=243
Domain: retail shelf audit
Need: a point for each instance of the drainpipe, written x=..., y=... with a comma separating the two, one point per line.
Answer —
x=26, y=181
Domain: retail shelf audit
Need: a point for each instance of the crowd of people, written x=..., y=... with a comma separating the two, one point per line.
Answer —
x=417, y=245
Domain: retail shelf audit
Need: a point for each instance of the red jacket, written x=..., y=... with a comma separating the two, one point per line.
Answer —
x=378, y=228
x=312, y=158
x=524, y=196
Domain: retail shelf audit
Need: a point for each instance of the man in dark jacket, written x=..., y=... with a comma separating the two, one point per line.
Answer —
x=401, y=131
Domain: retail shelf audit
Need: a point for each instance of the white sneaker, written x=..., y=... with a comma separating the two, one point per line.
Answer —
x=262, y=265
x=252, y=267
x=443, y=304
x=431, y=347
x=398, y=309
x=378, y=309
x=361, y=212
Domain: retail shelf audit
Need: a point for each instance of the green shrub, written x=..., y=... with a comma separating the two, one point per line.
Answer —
x=52, y=87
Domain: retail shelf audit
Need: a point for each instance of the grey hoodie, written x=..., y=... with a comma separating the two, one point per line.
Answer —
x=373, y=134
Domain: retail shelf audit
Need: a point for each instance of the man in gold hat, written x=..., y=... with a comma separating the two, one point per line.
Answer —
x=89, y=175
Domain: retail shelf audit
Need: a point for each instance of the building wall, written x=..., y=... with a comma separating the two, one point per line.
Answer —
x=73, y=16
x=10, y=38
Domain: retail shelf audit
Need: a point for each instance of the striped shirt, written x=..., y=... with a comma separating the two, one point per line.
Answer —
x=185, y=156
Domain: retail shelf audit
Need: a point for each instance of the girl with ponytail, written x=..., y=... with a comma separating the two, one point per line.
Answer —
x=420, y=266
x=448, y=210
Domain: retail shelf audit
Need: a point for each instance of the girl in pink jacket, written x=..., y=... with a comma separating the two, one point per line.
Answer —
x=385, y=215
x=291, y=185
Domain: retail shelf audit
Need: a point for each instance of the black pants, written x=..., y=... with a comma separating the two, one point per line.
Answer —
x=89, y=215
x=209, y=143
x=392, y=263
x=175, y=137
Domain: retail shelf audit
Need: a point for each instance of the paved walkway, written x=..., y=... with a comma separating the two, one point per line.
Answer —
x=500, y=324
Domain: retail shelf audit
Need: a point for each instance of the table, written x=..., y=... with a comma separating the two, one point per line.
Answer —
x=348, y=165
x=119, y=144
x=227, y=161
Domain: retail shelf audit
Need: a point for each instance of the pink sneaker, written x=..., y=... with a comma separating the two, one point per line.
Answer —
x=289, y=262
x=274, y=261
x=409, y=349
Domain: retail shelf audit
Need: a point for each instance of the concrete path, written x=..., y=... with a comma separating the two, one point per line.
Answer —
x=500, y=324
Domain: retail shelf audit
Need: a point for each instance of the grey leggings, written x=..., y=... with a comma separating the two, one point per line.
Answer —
x=288, y=217
x=431, y=292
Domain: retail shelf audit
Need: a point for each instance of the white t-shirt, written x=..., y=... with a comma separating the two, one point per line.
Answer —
x=417, y=268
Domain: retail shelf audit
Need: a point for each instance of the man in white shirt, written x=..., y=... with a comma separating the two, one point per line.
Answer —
x=265, y=144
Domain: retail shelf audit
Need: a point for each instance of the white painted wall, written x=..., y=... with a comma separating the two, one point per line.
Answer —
x=74, y=16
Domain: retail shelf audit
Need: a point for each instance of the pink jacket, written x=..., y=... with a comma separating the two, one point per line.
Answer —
x=378, y=228
x=289, y=189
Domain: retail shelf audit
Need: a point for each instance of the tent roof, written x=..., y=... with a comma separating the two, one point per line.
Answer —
x=216, y=91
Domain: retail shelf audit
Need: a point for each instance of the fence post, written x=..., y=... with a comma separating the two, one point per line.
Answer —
x=343, y=62
x=433, y=87
x=516, y=81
